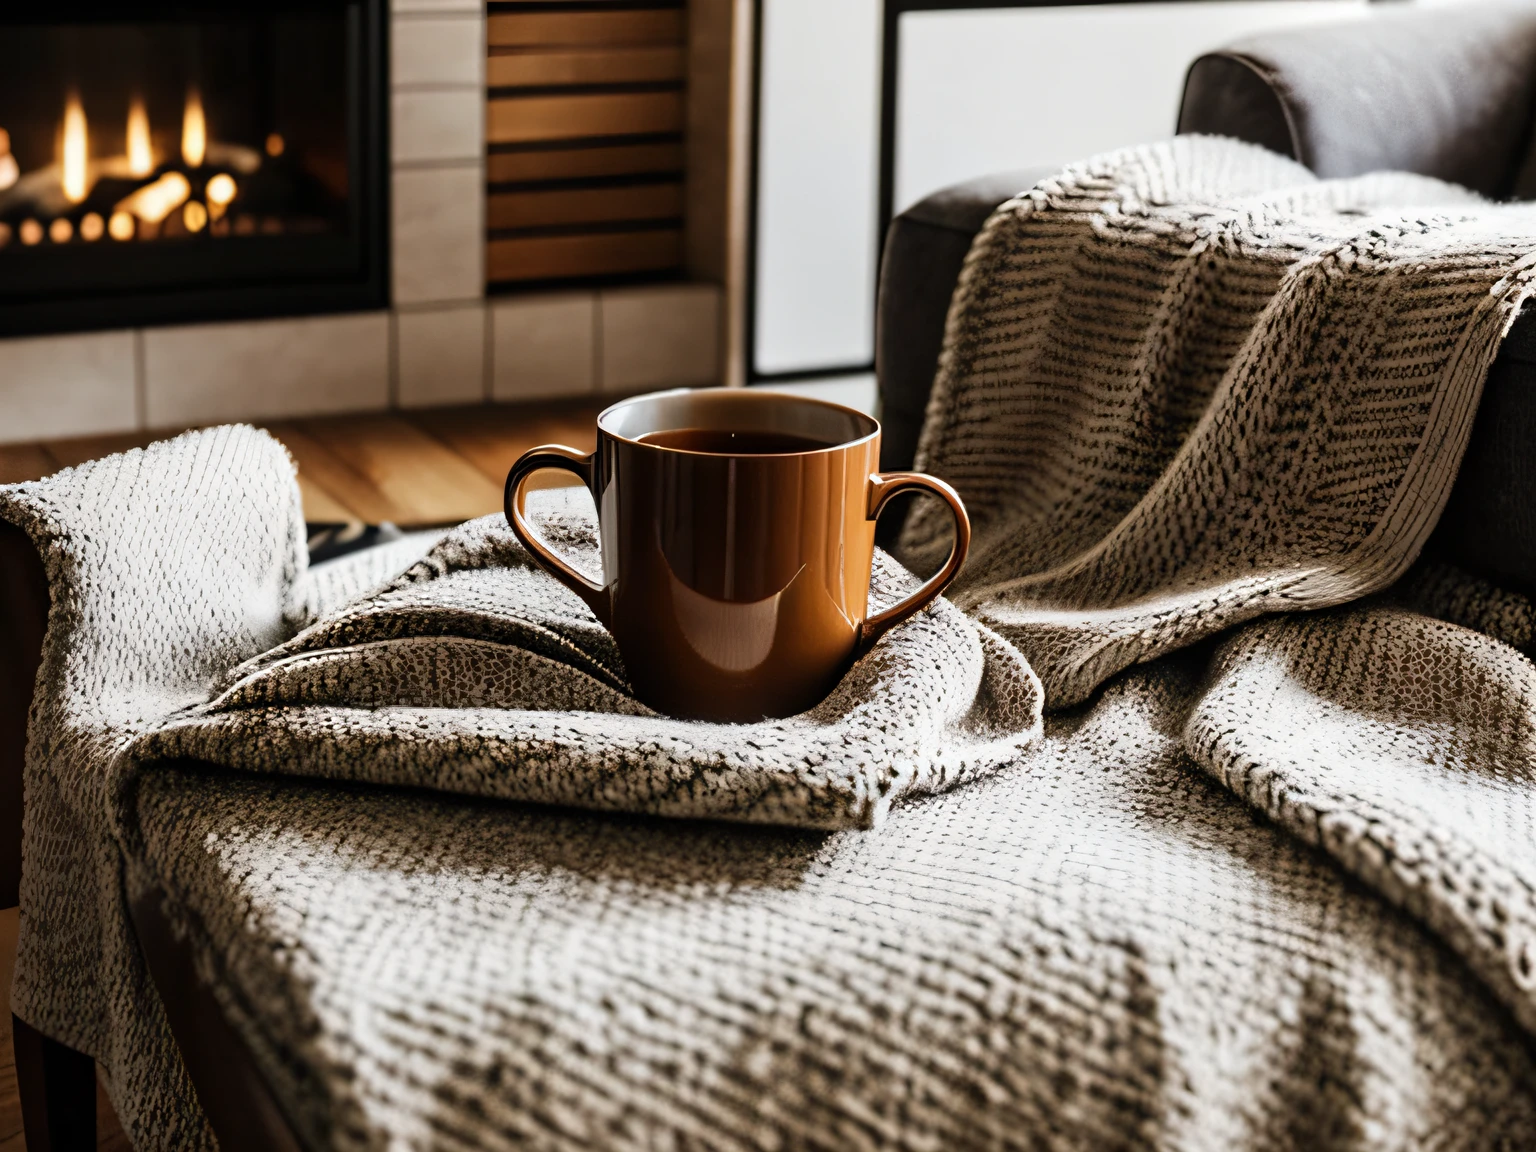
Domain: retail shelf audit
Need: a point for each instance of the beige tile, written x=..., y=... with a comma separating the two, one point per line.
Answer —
x=437, y=50
x=439, y=240
x=542, y=346
x=434, y=126
x=440, y=356
x=662, y=336
x=74, y=385
x=399, y=6
x=266, y=369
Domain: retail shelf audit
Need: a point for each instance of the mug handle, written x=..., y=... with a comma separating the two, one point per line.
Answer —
x=514, y=505
x=881, y=489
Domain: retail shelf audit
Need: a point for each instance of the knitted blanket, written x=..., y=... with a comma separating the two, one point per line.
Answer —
x=475, y=672
x=1264, y=878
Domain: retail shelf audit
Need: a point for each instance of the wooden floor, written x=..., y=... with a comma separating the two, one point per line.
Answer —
x=411, y=468
x=414, y=469
x=109, y=1134
x=10, y=1106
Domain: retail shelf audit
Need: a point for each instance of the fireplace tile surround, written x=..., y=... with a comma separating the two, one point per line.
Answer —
x=440, y=355
x=441, y=342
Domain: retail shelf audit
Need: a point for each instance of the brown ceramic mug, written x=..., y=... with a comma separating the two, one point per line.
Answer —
x=737, y=530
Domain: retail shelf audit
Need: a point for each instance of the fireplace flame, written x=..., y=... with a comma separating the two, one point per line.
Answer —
x=194, y=131
x=141, y=160
x=75, y=150
x=154, y=202
x=9, y=172
x=221, y=189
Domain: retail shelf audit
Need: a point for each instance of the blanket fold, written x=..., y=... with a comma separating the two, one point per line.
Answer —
x=476, y=672
x=1264, y=876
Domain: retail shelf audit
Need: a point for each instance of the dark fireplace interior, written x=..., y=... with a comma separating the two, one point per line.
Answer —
x=171, y=162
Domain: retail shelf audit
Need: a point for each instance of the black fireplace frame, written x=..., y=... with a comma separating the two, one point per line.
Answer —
x=364, y=285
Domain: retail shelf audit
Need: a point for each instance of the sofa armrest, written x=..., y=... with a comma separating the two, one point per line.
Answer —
x=1445, y=92
x=137, y=579
x=924, y=249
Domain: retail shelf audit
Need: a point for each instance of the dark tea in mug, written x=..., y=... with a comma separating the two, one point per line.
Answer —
x=737, y=442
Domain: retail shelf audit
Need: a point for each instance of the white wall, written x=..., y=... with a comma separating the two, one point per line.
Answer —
x=990, y=90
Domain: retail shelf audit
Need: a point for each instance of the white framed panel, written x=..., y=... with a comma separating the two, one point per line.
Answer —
x=818, y=161
x=979, y=90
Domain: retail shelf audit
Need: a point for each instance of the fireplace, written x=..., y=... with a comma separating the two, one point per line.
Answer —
x=356, y=280
x=176, y=160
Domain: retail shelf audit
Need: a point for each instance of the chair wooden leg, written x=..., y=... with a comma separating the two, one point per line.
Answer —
x=57, y=1086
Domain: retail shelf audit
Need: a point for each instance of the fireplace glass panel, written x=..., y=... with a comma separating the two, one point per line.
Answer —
x=189, y=164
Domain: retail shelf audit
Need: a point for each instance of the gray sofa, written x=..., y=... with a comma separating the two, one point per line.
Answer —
x=1447, y=92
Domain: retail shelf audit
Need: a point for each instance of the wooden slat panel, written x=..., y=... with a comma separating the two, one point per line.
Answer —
x=417, y=479
x=625, y=26
x=492, y=437
x=584, y=205
x=598, y=254
x=522, y=68
x=20, y=462
x=526, y=119
x=576, y=163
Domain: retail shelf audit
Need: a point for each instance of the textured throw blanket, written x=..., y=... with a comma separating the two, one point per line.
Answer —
x=475, y=672
x=1263, y=879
